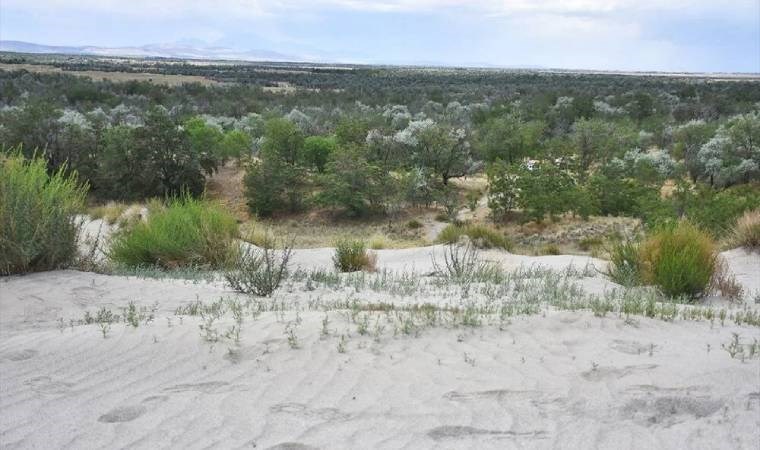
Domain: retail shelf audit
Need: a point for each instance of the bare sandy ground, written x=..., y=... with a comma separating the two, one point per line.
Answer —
x=558, y=379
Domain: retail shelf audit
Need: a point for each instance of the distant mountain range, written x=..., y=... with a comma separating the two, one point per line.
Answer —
x=171, y=50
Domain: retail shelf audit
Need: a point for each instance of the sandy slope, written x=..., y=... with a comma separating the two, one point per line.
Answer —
x=563, y=380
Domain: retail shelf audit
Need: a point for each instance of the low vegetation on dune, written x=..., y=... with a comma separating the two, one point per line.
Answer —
x=679, y=259
x=186, y=232
x=352, y=255
x=746, y=232
x=482, y=236
x=39, y=227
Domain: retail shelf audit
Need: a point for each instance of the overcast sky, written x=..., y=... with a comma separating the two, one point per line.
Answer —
x=670, y=35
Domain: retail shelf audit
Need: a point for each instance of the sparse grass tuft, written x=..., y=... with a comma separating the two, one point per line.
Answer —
x=550, y=249
x=379, y=242
x=481, y=236
x=189, y=232
x=38, y=227
x=352, y=256
x=624, y=263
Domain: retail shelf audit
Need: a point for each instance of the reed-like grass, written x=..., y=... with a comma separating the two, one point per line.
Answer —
x=39, y=229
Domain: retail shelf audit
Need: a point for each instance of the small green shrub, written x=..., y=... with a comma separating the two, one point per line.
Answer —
x=746, y=232
x=189, y=232
x=679, y=259
x=414, y=224
x=38, y=227
x=259, y=271
x=481, y=236
x=590, y=242
x=352, y=256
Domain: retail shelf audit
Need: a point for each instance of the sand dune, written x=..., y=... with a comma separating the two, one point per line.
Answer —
x=559, y=379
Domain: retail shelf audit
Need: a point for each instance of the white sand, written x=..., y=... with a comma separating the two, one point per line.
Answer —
x=563, y=380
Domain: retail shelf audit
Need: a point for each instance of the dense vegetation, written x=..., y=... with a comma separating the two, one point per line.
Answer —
x=371, y=140
x=39, y=229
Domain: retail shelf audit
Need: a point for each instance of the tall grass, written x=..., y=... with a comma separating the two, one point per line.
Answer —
x=38, y=227
x=480, y=235
x=746, y=232
x=188, y=232
x=679, y=259
x=352, y=255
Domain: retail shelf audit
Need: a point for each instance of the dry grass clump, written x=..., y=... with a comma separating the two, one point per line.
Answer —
x=379, y=242
x=38, y=225
x=110, y=212
x=481, y=236
x=746, y=232
x=352, y=256
x=679, y=259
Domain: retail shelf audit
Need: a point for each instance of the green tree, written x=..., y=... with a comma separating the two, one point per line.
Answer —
x=282, y=139
x=352, y=183
x=317, y=151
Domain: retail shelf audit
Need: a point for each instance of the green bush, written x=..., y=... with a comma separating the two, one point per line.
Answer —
x=189, y=232
x=679, y=259
x=352, y=256
x=38, y=227
x=482, y=236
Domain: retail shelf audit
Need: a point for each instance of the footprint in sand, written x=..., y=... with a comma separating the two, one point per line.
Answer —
x=299, y=409
x=21, y=355
x=123, y=414
x=460, y=431
x=205, y=387
x=603, y=373
x=47, y=385
x=669, y=410
x=292, y=446
x=629, y=347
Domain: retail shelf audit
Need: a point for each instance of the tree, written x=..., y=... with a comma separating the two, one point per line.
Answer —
x=508, y=138
x=283, y=140
x=317, y=151
x=351, y=182
x=733, y=155
x=272, y=185
x=204, y=138
x=236, y=143
x=688, y=140
x=351, y=131
x=596, y=140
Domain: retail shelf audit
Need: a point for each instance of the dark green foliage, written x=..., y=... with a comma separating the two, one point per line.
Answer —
x=38, y=227
x=317, y=151
x=271, y=185
x=352, y=183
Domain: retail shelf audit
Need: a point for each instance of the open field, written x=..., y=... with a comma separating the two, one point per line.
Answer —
x=96, y=75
